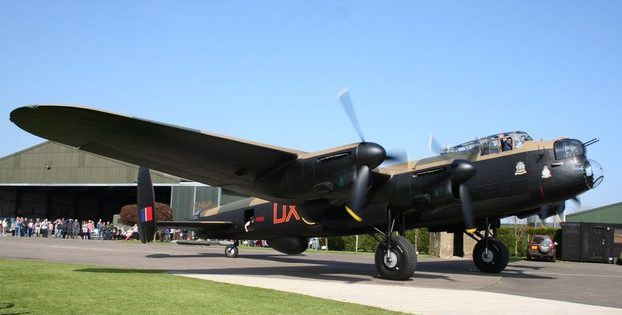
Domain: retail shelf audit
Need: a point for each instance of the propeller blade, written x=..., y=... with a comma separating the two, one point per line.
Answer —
x=344, y=96
x=561, y=207
x=577, y=201
x=358, y=196
x=544, y=212
x=474, y=152
x=397, y=156
x=467, y=211
x=435, y=147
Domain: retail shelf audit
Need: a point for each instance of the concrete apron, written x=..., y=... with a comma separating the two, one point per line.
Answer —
x=414, y=300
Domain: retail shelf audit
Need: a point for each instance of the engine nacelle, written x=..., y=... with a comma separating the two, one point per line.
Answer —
x=290, y=245
x=327, y=176
x=436, y=196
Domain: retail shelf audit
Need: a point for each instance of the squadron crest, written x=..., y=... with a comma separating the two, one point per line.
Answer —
x=520, y=169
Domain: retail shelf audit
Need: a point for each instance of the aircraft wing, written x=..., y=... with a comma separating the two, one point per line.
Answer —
x=196, y=225
x=191, y=154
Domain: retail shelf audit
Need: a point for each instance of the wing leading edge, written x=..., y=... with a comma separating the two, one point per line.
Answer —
x=204, y=157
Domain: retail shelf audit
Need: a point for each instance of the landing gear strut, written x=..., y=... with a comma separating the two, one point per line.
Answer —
x=396, y=258
x=490, y=255
x=231, y=251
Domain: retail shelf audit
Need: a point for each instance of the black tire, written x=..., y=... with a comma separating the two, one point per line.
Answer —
x=404, y=260
x=496, y=259
x=231, y=251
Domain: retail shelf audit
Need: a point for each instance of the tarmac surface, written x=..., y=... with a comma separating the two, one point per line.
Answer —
x=437, y=287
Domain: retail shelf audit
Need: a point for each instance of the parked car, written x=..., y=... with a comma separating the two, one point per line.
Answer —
x=541, y=247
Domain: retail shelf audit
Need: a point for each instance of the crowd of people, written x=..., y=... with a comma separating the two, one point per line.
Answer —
x=65, y=228
x=76, y=229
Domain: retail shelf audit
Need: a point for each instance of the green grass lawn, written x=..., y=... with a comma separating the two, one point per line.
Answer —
x=34, y=287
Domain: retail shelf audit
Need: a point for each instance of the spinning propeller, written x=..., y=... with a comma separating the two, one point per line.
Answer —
x=370, y=155
x=545, y=210
x=462, y=171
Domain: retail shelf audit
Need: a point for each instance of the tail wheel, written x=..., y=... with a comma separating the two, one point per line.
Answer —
x=231, y=251
x=491, y=259
x=399, y=263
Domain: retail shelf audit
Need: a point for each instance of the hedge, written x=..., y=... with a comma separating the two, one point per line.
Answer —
x=421, y=237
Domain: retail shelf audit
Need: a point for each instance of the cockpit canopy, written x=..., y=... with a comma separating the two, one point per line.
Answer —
x=491, y=144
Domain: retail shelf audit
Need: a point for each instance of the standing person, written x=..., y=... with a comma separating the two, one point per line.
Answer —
x=3, y=227
x=89, y=227
x=18, y=227
x=104, y=227
x=43, y=227
x=76, y=228
x=11, y=226
x=37, y=228
x=100, y=225
x=67, y=228
x=31, y=227
x=108, y=230
x=84, y=230
x=58, y=228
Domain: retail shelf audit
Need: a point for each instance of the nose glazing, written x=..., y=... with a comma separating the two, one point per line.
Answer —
x=593, y=173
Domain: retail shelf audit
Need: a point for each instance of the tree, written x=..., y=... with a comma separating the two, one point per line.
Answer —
x=129, y=214
x=520, y=230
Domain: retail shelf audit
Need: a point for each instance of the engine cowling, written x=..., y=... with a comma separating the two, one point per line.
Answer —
x=290, y=245
x=328, y=176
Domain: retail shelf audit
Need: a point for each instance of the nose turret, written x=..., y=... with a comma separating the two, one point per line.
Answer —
x=593, y=174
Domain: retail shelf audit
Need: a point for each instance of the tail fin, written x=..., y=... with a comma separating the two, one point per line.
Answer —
x=145, y=206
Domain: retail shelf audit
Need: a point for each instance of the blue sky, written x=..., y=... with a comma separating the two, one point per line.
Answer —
x=269, y=71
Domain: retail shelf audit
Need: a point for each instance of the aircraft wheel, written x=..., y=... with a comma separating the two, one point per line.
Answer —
x=493, y=260
x=231, y=251
x=401, y=261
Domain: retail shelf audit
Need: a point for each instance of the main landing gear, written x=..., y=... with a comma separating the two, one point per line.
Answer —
x=490, y=255
x=396, y=257
x=232, y=251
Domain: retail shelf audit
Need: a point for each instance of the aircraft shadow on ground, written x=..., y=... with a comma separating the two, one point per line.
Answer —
x=6, y=307
x=313, y=267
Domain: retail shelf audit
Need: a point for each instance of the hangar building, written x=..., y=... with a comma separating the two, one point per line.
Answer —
x=607, y=214
x=52, y=180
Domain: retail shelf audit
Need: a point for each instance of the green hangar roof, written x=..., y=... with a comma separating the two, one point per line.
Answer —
x=607, y=214
x=51, y=163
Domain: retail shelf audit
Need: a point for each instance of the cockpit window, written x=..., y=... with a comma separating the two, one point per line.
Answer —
x=568, y=148
x=492, y=144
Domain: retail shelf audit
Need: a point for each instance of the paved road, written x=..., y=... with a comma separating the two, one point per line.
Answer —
x=447, y=286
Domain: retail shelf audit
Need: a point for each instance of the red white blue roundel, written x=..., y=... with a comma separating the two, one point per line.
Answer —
x=146, y=214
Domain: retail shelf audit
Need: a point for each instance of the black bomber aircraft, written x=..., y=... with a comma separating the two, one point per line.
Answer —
x=339, y=191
